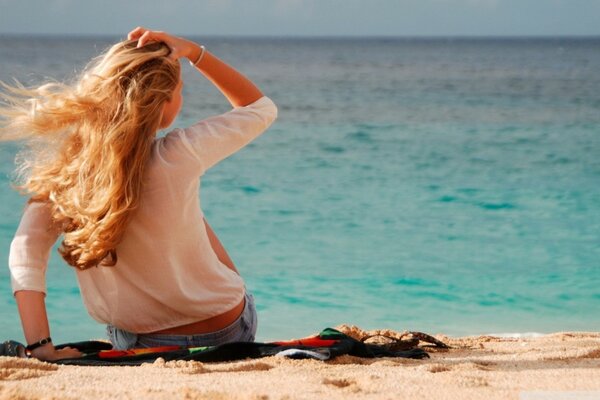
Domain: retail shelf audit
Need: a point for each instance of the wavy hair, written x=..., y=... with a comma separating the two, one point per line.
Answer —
x=88, y=144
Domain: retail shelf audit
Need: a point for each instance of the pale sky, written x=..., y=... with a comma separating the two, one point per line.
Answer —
x=305, y=17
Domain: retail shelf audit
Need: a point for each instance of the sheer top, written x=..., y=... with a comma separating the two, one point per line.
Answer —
x=167, y=273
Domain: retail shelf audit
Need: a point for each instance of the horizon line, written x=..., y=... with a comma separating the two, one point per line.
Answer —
x=325, y=36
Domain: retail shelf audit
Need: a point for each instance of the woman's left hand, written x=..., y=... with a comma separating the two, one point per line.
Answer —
x=49, y=353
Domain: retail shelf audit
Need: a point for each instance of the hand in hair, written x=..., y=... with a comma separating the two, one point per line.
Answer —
x=239, y=90
x=180, y=47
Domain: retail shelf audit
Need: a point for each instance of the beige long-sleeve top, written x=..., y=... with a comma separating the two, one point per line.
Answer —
x=167, y=273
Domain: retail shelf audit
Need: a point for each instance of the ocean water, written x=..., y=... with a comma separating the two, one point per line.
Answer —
x=442, y=185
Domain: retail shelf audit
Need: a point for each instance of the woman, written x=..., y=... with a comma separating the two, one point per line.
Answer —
x=148, y=264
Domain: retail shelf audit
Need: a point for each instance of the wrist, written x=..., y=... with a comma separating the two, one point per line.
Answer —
x=194, y=52
x=198, y=55
x=44, y=352
x=39, y=343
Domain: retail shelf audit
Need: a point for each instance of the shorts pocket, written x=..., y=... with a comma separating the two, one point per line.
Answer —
x=121, y=339
x=249, y=320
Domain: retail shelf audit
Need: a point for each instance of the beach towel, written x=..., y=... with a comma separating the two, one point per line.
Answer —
x=328, y=344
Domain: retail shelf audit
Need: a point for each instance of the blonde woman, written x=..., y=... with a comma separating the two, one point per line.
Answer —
x=148, y=264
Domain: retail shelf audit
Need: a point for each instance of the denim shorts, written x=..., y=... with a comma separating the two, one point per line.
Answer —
x=243, y=329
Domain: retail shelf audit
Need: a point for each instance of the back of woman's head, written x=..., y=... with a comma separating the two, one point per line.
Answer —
x=132, y=79
x=89, y=143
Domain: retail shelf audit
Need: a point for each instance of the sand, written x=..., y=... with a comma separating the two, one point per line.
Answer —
x=563, y=365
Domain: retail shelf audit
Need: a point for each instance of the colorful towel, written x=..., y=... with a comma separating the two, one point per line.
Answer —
x=326, y=345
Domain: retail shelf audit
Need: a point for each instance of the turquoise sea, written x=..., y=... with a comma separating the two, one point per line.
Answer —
x=444, y=185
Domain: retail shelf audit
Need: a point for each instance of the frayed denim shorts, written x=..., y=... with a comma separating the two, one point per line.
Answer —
x=243, y=329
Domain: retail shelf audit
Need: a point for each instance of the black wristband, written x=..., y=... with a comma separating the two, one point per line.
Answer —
x=35, y=345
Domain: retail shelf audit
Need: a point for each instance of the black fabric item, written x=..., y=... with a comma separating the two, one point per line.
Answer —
x=12, y=348
x=329, y=344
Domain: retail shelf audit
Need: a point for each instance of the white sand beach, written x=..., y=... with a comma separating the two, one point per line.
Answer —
x=478, y=367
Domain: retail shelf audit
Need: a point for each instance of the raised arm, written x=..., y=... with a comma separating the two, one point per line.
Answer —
x=238, y=89
x=205, y=143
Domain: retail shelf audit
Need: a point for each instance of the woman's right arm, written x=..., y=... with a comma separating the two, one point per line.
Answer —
x=239, y=90
x=207, y=142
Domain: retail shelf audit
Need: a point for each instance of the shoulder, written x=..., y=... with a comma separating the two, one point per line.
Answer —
x=38, y=213
x=203, y=144
x=174, y=141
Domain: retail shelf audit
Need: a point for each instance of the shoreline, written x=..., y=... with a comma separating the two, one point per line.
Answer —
x=476, y=367
x=518, y=335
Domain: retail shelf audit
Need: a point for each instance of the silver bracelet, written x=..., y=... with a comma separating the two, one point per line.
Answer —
x=195, y=64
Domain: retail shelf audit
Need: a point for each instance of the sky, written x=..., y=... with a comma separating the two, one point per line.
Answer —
x=304, y=17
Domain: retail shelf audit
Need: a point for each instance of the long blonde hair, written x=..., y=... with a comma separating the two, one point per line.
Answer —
x=89, y=142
